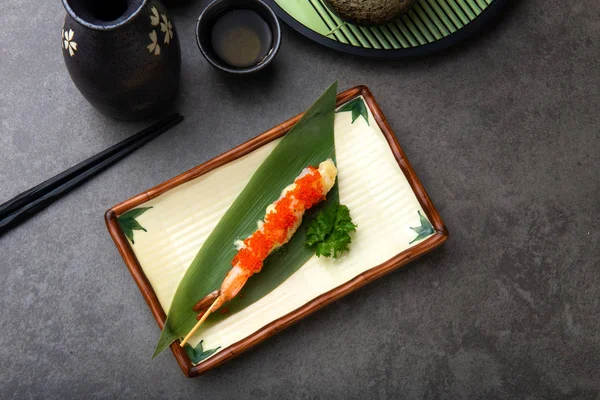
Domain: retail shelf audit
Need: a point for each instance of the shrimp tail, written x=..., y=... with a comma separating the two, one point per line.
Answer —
x=234, y=281
x=206, y=301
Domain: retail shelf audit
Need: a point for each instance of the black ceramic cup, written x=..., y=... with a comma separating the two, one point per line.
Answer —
x=214, y=11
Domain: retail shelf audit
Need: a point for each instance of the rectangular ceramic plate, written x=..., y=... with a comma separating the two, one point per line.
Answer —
x=396, y=224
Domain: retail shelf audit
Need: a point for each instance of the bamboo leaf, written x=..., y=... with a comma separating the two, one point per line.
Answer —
x=310, y=142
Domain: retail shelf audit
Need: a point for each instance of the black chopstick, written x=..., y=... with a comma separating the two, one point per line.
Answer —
x=45, y=187
x=40, y=196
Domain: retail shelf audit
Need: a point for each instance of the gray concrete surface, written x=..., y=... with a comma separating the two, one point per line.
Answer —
x=504, y=133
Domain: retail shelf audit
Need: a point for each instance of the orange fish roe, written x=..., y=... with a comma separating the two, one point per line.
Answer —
x=260, y=244
x=279, y=221
x=248, y=261
x=308, y=191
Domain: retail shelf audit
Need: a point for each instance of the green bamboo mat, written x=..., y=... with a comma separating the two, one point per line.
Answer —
x=426, y=22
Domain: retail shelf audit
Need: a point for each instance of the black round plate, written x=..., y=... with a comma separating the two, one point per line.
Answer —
x=430, y=26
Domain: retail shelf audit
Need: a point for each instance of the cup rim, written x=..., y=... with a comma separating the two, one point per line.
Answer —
x=274, y=24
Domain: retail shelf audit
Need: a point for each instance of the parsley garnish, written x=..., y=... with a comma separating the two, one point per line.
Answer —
x=329, y=232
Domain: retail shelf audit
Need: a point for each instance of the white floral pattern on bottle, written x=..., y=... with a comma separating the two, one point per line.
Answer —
x=154, y=18
x=154, y=46
x=68, y=43
x=165, y=26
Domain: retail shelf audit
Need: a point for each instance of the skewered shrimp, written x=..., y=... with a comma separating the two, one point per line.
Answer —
x=282, y=219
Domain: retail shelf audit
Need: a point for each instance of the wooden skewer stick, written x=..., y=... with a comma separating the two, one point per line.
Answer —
x=195, y=328
x=206, y=301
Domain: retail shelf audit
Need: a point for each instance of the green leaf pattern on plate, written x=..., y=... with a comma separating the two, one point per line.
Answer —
x=423, y=231
x=358, y=108
x=198, y=354
x=128, y=222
